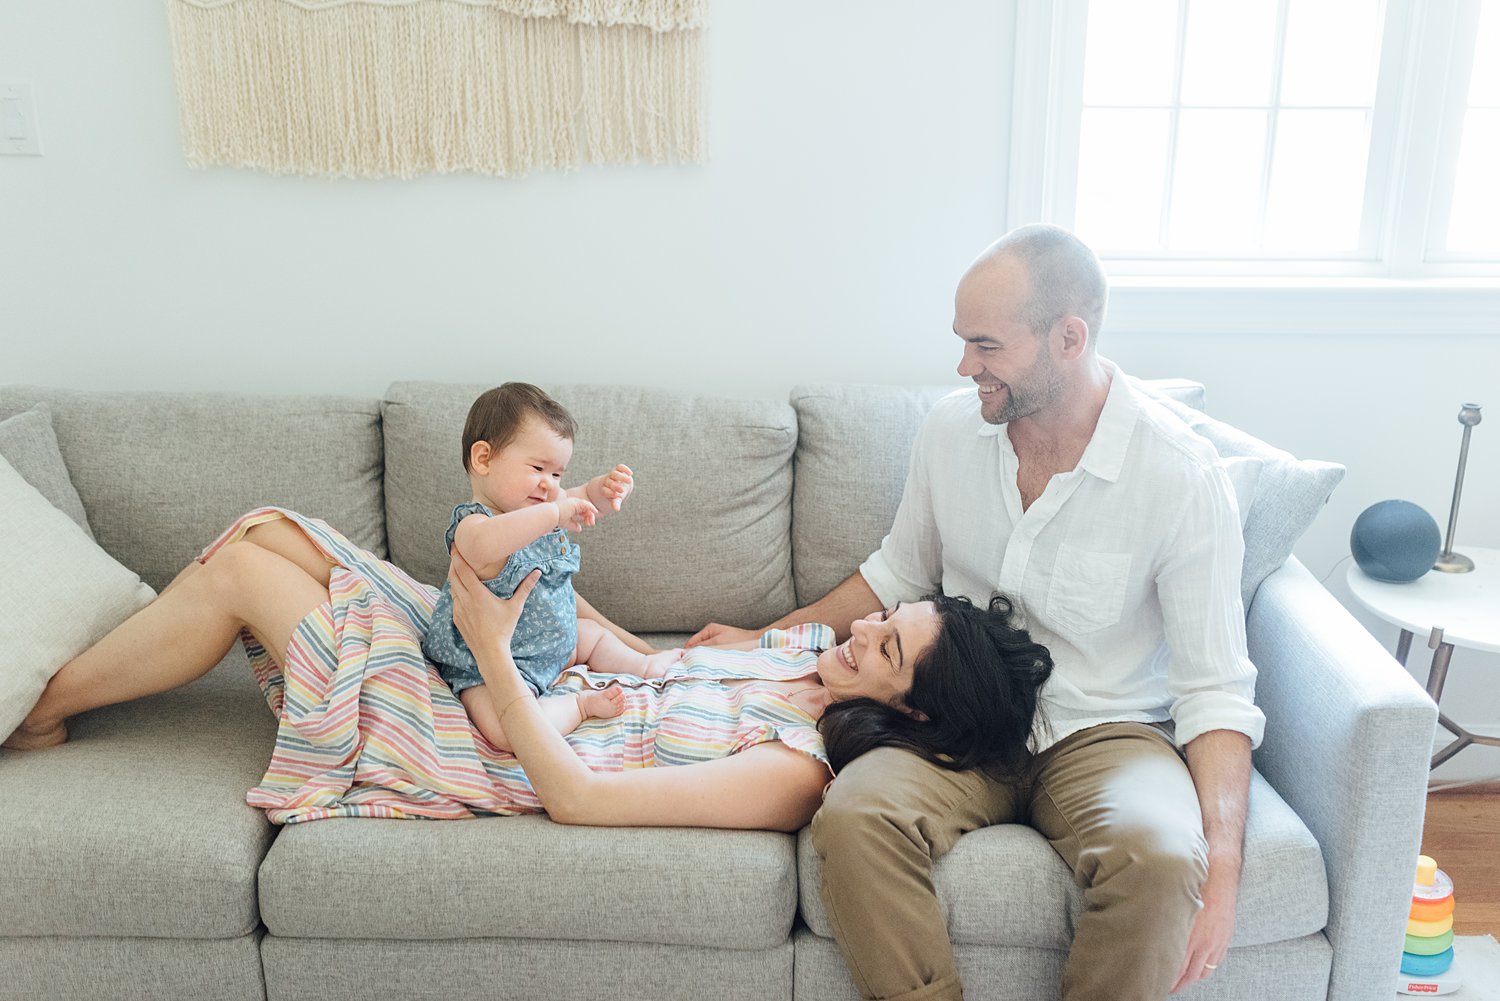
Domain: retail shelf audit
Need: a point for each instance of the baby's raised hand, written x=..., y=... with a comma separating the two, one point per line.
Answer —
x=613, y=487
x=573, y=513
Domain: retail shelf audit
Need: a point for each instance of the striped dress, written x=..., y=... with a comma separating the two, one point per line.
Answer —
x=368, y=728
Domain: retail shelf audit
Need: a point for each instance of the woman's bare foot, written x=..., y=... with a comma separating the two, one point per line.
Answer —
x=602, y=705
x=658, y=664
x=31, y=737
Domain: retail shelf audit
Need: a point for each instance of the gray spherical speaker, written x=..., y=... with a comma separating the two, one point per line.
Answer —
x=1395, y=541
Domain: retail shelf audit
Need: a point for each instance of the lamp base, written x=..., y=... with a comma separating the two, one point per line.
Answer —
x=1453, y=563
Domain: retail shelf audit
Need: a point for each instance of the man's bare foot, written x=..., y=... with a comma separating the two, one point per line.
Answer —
x=657, y=664
x=34, y=738
x=602, y=705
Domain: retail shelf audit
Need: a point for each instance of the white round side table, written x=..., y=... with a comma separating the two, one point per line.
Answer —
x=1454, y=609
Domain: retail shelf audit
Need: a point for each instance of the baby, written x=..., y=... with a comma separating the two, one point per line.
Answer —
x=517, y=443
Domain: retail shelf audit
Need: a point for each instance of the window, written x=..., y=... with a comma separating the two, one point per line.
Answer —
x=1472, y=224
x=1352, y=138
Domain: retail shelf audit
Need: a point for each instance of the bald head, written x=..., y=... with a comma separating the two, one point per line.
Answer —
x=1064, y=274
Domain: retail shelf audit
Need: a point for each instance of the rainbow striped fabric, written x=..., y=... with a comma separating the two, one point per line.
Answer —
x=369, y=729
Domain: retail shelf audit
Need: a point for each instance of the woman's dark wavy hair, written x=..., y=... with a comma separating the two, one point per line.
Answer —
x=977, y=686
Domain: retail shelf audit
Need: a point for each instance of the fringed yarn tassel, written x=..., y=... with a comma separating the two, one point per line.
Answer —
x=404, y=88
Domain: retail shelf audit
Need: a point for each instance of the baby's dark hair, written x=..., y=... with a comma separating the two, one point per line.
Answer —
x=976, y=690
x=500, y=413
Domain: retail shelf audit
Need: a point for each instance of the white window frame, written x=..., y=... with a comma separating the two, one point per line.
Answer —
x=1395, y=283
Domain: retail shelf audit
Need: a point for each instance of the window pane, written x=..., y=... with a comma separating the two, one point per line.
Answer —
x=1474, y=226
x=1132, y=48
x=1317, y=181
x=1216, y=183
x=1229, y=48
x=1122, y=164
x=1484, y=84
x=1332, y=50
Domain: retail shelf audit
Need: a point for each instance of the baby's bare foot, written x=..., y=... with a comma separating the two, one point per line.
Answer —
x=657, y=664
x=35, y=738
x=602, y=705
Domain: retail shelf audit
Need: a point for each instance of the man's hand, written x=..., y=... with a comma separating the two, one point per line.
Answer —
x=611, y=489
x=1219, y=762
x=1208, y=941
x=717, y=634
x=851, y=600
x=573, y=513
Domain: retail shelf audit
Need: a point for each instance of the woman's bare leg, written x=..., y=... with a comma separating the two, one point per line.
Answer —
x=179, y=637
x=286, y=539
x=283, y=537
x=187, y=571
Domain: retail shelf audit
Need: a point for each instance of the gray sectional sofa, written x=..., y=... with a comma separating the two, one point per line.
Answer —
x=132, y=868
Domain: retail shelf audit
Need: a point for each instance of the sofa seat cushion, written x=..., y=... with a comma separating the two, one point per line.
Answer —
x=526, y=877
x=138, y=825
x=1005, y=885
x=162, y=474
x=705, y=536
x=503, y=969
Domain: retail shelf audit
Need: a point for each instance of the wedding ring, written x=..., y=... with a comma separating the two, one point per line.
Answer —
x=1209, y=966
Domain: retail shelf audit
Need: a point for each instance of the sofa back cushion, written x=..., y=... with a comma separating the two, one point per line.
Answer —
x=705, y=536
x=28, y=443
x=162, y=474
x=853, y=449
x=1279, y=494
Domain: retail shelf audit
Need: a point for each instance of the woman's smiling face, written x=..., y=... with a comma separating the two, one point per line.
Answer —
x=876, y=661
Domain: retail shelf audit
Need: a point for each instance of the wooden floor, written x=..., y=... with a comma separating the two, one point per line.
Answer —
x=1463, y=834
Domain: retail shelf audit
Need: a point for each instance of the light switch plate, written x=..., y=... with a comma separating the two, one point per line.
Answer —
x=19, y=135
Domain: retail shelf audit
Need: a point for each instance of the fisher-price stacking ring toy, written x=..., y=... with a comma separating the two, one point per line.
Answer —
x=1427, y=958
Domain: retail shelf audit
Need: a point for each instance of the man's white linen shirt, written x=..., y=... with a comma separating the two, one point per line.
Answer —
x=1127, y=568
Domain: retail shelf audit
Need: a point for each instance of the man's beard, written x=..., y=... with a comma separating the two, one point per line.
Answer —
x=1042, y=388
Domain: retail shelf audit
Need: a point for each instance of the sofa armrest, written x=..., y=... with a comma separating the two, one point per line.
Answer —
x=1348, y=738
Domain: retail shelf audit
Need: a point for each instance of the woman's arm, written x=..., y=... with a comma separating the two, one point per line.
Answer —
x=770, y=786
x=630, y=639
x=767, y=787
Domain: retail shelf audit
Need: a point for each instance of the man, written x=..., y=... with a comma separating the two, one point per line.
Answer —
x=1115, y=530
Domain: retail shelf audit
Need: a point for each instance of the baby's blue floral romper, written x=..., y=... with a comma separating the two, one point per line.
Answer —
x=547, y=634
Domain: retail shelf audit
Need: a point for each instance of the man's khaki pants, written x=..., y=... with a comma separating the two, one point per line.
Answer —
x=1115, y=800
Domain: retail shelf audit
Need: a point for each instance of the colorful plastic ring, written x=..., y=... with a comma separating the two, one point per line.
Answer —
x=1418, y=946
x=1429, y=929
x=1431, y=910
x=1426, y=966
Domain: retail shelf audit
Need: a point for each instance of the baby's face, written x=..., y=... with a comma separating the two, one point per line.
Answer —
x=527, y=471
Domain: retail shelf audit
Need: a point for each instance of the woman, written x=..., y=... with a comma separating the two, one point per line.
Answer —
x=367, y=729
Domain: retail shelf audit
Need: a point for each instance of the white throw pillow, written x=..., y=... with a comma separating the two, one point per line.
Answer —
x=1279, y=494
x=59, y=591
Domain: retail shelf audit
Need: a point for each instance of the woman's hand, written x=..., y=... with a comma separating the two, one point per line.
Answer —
x=485, y=621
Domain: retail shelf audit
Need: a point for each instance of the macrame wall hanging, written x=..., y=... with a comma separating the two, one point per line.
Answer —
x=401, y=87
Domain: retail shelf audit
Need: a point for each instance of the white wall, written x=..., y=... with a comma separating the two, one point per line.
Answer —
x=846, y=189
x=857, y=162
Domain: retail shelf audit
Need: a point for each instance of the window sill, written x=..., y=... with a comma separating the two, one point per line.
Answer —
x=1304, y=306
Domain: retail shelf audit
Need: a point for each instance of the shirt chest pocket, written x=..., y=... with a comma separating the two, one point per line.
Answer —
x=1088, y=589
